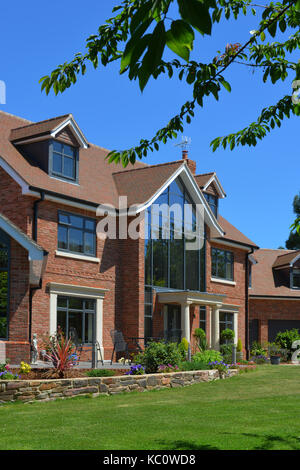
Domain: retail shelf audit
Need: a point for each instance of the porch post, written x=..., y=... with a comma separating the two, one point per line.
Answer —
x=215, y=328
x=185, y=321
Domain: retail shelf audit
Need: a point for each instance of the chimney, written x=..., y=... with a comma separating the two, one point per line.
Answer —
x=190, y=163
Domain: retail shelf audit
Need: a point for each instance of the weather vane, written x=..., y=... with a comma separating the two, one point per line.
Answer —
x=185, y=143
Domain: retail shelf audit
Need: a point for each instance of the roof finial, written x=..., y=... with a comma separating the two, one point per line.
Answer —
x=186, y=142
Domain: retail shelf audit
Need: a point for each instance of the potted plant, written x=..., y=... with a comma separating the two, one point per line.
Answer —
x=239, y=350
x=274, y=352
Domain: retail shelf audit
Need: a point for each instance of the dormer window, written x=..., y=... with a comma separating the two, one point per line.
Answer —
x=63, y=160
x=212, y=202
x=296, y=278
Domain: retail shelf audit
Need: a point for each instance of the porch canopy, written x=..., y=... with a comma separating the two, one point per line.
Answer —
x=186, y=298
x=37, y=256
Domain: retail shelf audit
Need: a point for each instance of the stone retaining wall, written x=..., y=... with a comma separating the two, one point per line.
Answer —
x=45, y=390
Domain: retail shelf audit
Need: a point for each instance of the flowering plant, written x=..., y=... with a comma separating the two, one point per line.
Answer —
x=136, y=370
x=24, y=368
x=221, y=366
x=167, y=368
x=8, y=375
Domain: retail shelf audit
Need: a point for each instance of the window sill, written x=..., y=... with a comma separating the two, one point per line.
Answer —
x=75, y=256
x=223, y=281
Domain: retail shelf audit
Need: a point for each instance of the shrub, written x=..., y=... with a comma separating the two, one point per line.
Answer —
x=239, y=346
x=100, y=373
x=159, y=353
x=286, y=338
x=226, y=349
x=207, y=356
x=183, y=347
x=193, y=365
x=227, y=335
x=200, y=335
x=136, y=370
x=61, y=355
x=257, y=349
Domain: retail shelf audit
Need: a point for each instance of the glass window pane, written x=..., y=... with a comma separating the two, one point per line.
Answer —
x=192, y=269
x=89, y=224
x=57, y=163
x=69, y=167
x=75, y=240
x=148, y=327
x=75, y=322
x=176, y=263
x=62, y=237
x=57, y=146
x=3, y=258
x=75, y=303
x=89, y=305
x=76, y=221
x=62, y=321
x=147, y=261
x=63, y=218
x=89, y=243
x=62, y=301
x=89, y=321
x=68, y=150
x=160, y=262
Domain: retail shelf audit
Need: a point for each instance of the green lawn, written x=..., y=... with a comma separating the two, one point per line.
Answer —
x=257, y=410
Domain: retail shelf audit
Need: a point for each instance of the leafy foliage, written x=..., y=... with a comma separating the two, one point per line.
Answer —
x=207, y=356
x=286, y=338
x=159, y=353
x=138, y=34
x=61, y=354
x=293, y=242
x=200, y=335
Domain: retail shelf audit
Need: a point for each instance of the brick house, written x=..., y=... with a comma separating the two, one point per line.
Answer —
x=274, y=294
x=55, y=268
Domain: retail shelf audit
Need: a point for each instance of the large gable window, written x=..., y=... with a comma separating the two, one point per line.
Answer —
x=222, y=264
x=4, y=284
x=76, y=234
x=64, y=160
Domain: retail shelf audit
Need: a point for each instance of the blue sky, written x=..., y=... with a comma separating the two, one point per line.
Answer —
x=260, y=182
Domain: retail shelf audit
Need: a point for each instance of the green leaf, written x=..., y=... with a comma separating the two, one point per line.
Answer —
x=183, y=33
x=153, y=55
x=272, y=29
x=282, y=25
x=179, y=49
x=262, y=36
x=133, y=44
x=196, y=14
x=226, y=85
x=297, y=6
x=141, y=16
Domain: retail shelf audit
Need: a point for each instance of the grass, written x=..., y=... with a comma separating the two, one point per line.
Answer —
x=256, y=410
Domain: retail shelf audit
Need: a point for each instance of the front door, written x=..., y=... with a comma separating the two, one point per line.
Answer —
x=173, y=324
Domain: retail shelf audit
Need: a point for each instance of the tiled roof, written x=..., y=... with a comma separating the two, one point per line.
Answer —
x=141, y=183
x=233, y=234
x=37, y=128
x=267, y=281
x=95, y=173
x=285, y=259
x=203, y=178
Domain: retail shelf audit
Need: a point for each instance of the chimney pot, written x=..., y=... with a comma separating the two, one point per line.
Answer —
x=184, y=154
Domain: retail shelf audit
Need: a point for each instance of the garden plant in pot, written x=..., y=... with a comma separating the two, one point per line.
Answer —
x=275, y=353
x=227, y=343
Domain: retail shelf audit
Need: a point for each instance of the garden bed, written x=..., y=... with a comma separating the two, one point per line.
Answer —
x=46, y=390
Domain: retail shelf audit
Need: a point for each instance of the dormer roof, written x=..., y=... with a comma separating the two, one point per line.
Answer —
x=205, y=180
x=49, y=128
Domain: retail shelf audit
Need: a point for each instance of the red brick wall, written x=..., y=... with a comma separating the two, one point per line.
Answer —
x=272, y=309
x=235, y=294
